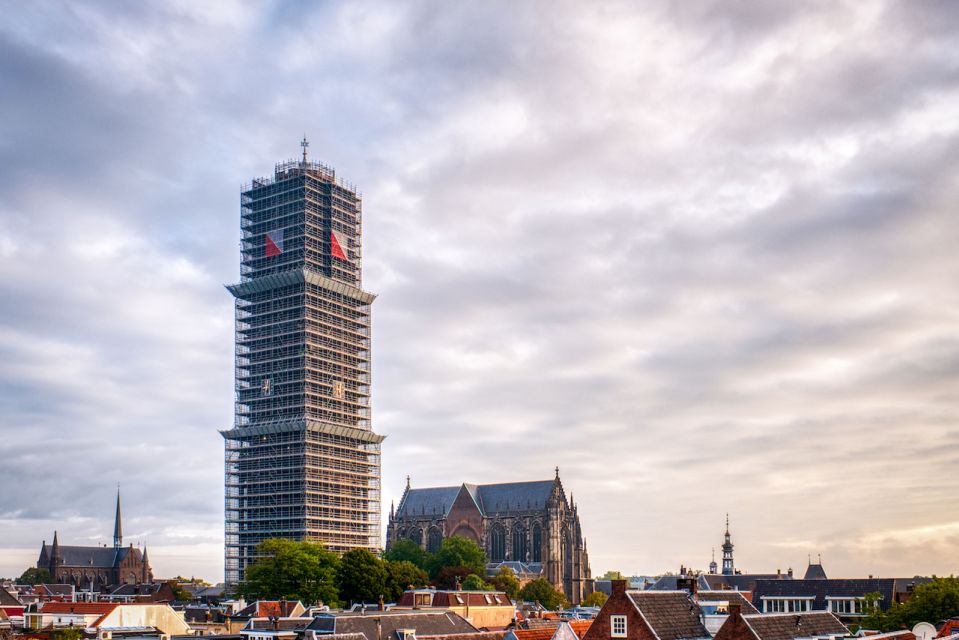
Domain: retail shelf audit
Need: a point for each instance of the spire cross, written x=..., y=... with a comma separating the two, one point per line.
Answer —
x=304, y=144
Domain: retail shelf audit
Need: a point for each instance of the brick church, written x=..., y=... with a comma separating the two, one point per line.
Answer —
x=528, y=525
x=96, y=568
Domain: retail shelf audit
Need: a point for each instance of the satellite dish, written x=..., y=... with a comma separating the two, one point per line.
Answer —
x=924, y=631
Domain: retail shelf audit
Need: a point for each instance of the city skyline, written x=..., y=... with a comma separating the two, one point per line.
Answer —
x=699, y=257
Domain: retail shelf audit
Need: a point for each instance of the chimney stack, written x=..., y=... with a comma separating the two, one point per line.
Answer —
x=619, y=587
x=735, y=610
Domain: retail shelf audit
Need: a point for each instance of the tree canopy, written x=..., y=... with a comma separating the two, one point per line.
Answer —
x=541, y=590
x=304, y=571
x=457, y=551
x=595, y=599
x=506, y=580
x=409, y=551
x=473, y=582
x=34, y=575
x=930, y=602
x=361, y=577
x=403, y=574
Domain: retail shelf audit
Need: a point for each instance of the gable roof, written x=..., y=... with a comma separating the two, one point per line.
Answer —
x=7, y=599
x=383, y=625
x=790, y=626
x=96, y=557
x=580, y=627
x=671, y=615
x=489, y=498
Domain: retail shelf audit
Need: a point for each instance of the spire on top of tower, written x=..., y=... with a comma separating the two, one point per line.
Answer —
x=117, y=525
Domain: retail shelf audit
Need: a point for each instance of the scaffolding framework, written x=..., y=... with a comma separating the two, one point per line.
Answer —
x=301, y=460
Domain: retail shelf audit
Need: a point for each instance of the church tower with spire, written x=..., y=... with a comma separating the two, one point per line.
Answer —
x=117, y=525
x=728, y=566
x=99, y=568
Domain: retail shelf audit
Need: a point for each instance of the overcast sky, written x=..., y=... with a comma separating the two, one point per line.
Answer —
x=704, y=257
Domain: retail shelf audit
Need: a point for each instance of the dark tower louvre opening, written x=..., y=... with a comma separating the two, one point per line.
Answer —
x=302, y=461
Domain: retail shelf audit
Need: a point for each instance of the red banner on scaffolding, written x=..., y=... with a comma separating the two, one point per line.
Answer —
x=337, y=243
x=273, y=243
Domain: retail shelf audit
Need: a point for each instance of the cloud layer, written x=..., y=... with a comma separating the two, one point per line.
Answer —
x=700, y=256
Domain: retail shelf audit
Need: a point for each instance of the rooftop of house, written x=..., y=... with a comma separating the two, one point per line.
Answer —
x=791, y=626
x=382, y=625
x=671, y=615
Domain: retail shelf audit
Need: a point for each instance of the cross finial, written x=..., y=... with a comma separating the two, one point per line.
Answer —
x=304, y=143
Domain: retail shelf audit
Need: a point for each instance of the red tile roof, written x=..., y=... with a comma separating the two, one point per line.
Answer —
x=540, y=633
x=580, y=627
x=79, y=608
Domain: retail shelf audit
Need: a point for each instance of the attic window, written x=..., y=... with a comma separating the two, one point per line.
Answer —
x=617, y=626
x=489, y=599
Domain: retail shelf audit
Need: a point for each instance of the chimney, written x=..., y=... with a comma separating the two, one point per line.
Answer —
x=735, y=610
x=382, y=606
x=619, y=587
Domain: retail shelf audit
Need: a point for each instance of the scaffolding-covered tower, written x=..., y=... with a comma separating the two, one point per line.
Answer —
x=302, y=461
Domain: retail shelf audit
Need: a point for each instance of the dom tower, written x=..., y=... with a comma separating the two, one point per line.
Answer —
x=302, y=461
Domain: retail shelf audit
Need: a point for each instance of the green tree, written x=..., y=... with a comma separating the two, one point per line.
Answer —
x=930, y=602
x=304, y=571
x=506, y=580
x=473, y=582
x=457, y=551
x=595, y=599
x=612, y=575
x=402, y=575
x=541, y=590
x=361, y=576
x=450, y=577
x=410, y=552
x=35, y=576
x=67, y=633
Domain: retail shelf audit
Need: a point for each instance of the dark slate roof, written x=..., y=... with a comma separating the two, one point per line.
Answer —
x=814, y=572
x=669, y=583
x=98, y=557
x=426, y=501
x=732, y=597
x=790, y=626
x=282, y=624
x=58, y=589
x=740, y=581
x=7, y=599
x=382, y=625
x=515, y=496
x=490, y=498
x=671, y=614
x=819, y=590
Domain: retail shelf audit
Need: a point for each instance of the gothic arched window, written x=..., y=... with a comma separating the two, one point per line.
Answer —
x=520, y=546
x=537, y=543
x=416, y=535
x=433, y=540
x=497, y=543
